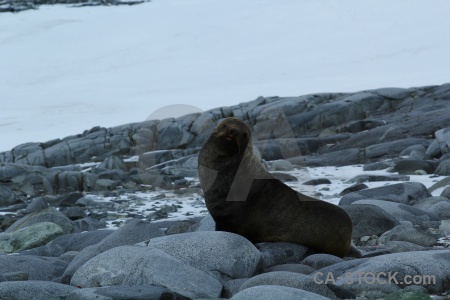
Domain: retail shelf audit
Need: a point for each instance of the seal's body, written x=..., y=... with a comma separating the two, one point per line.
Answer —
x=244, y=198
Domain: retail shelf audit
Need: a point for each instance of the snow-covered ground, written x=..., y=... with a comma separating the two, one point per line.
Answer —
x=64, y=70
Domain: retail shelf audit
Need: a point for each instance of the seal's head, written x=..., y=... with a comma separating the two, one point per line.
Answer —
x=232, y=137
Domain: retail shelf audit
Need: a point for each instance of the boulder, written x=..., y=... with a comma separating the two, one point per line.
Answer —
x=137, y=265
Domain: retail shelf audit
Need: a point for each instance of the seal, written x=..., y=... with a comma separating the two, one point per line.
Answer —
x=244, y=198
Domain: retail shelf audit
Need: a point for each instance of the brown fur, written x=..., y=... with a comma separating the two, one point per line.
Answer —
x=244, y=198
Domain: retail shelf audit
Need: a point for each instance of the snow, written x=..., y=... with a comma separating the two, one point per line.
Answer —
x=64, y=70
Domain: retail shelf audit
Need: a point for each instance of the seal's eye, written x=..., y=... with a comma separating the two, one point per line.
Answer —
x=223, y=126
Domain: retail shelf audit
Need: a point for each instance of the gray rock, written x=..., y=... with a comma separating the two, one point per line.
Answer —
x=36, y=204
x=414, y=151
x=284, y=177
x=321, y=260
x=136, y=265
x=232, y=287
x=89, y=224
x=134, y=231
x=216, y=252
x=410, y=234
x=354, y=188
x=443, y=169
x=105, y=185
x=46, y=215
x=295, y=268
x=375, y=166
x=401, y=212
x=124, y=292
x=432, y=265
x=440, y=206
x=113, y=162
x=410, y=166
x=400, y=246
x=270, y=292
x=443, y=137
x=69, y=242
x=317, y=181
x=33, y=289
x=207, y=224
x=7, y=197
x=37, y=267
x=441, y=183
x=406, y=193
x=446, y=192
x=369, y=220
x=289, y=279
x=281, y=165
x=433, y=150
x=374, y=178
x=282, y=253
x=29, y=237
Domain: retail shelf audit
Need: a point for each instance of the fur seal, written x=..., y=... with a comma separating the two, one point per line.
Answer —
x=244, y=198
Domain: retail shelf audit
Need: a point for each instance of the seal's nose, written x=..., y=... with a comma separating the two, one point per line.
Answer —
x=233, y=131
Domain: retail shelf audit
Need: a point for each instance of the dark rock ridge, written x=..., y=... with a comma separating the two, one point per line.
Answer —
x=20, y=5
x=319, y=129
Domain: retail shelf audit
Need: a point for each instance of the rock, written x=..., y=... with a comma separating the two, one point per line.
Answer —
x=281, y=165
x=443, y=169
x=282, y=253
x=374, y=178
x=354, y=188
x=113, y=162
x=33, y=289
x=440, y=206
x=444, y=227
x=317, y=181
x=69, y=242
x=414, y=151
x=401, y=212
x=105, y=185
x=7, y=197
x=284, y=177
x=410, y=166
x=375, y=166
x=406, y=193
x=321, y=260
x=29, y=237
x=134, y=231
x=270, y=292
x=36, y=204
x=446, y=192
x=410, y=234
x=433, y=150
x=136, y=265
x=369, y=220
x=232, y=287
x=295, y=268
x=215, y=252
x=289, y=279
x=89, y=224
x=37, y=267
x=69, y=199
x=441, y=183
x=399, y=246
x=74, y=213
x=46, y=215
x=443, y=137
x=179, y=227
x=206, y=224
x=432, y=267
x=146, y=292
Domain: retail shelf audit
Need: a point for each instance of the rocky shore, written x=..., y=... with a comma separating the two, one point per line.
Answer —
x=91, y=216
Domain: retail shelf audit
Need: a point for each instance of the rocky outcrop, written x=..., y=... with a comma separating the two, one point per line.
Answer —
x=316, y=129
